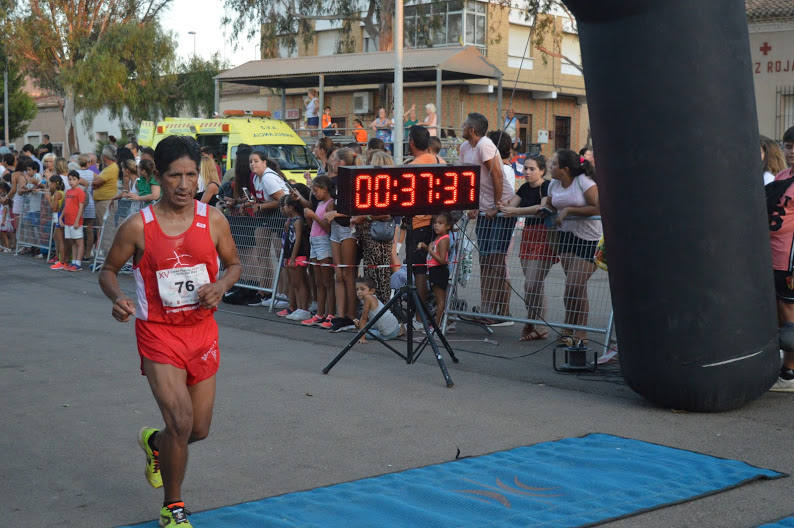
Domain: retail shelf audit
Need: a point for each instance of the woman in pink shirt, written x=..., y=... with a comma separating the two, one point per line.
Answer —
x=781, y=237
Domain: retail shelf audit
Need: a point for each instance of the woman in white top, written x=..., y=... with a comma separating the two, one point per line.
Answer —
x=269, y=187
x=431, y=119
x=312, y=110
x=574, y=196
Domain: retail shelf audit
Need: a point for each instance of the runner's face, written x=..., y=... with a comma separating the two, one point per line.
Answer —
x=180, y=182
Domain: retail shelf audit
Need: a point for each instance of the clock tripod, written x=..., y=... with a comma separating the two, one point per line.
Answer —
x=415, y=307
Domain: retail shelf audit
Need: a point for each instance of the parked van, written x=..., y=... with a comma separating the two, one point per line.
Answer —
x=223, y=135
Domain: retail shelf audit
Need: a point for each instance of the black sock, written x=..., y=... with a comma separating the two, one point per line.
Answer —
x=150, y=441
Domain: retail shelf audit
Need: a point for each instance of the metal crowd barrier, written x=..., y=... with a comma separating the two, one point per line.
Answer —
x=116, y=213
x=35, y=228
x=528, y=283
x=258, y=240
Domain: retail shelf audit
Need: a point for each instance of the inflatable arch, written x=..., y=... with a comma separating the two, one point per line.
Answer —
x=673, y=120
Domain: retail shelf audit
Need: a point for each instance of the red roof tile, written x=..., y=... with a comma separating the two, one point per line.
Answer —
x=769, y=10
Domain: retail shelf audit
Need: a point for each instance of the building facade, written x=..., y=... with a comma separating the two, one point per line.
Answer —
x=544, y=88
x=771, y=25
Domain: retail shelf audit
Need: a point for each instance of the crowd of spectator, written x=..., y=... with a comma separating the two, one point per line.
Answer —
x=73, y=195
x=333, y=264
x=325, y=252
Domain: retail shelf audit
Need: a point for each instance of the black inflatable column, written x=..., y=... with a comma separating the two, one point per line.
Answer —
x=674, y=127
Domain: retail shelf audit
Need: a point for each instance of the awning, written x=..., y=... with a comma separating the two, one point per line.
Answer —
x=366, y=68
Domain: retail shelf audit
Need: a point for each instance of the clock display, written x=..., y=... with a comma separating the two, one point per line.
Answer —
x=407, y=190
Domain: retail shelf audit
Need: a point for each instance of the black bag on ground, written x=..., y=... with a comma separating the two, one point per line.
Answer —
x=239, y=295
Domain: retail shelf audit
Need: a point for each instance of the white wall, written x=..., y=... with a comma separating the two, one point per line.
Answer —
x=772, y=71
x=87, y=135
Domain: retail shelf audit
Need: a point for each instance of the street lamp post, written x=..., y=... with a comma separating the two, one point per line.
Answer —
x=194, y=41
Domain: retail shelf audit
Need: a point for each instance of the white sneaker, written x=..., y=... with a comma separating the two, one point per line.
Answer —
x=260, y=302
x=299, y=315
x=279, y=304
x=313, y=307
x=610, y=355
x=785, y=381
x=418, y=325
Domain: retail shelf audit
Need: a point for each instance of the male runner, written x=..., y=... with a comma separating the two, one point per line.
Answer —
x=175, y=245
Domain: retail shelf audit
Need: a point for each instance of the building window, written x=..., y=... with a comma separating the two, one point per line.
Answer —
x=562, y=132
x=475, y=23
x=33, y=138
x=370, y=44
x=785, y=110
x=448, y=23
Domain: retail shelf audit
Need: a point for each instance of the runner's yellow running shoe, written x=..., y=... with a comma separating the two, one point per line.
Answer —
x=175, y=515
x=152, y=471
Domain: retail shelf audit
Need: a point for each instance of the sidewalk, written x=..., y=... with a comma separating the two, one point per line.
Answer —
x=73, y=401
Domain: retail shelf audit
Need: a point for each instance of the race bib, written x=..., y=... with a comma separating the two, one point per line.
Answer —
x=179, y=286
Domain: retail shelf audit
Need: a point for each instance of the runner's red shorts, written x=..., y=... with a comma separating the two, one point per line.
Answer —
x=193, y=348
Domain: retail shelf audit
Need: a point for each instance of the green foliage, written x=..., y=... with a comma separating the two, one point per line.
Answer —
x=285, y=22
x=193, y=87
x=21, y=107
x=62, y=45
x=124, y=72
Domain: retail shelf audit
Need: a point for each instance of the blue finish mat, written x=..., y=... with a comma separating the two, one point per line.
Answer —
x=788, y=522
x=570, y=482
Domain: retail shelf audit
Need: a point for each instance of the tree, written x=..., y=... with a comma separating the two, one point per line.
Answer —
x=283, y=21
x=193, y=87
x=52, y=39
x=21, y=107
x=545, y=28
x=126, y=72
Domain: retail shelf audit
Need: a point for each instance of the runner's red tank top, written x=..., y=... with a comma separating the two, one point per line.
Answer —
x=173, y=268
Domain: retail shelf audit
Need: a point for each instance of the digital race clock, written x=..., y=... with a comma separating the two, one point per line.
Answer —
x=407, y=190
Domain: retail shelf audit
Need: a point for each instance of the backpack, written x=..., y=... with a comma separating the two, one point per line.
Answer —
x=239, y=295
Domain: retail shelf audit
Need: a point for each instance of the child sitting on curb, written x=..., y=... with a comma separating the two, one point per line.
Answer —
x=386, y=327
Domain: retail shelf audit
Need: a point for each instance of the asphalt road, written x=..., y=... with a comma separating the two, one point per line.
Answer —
x=73, y=401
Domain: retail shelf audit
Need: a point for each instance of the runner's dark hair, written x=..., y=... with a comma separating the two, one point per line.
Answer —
x=173, y=148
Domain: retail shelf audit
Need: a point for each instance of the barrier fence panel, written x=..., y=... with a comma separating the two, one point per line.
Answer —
x=527, y=270
x=116, y=213
x=35, y=227
x=258, y=240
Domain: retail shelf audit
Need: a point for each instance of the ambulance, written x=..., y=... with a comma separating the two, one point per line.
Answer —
x=223, y=135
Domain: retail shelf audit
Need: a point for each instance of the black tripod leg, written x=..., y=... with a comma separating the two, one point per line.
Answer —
x=420, y=309
x=437, y=333
x=363, y=332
